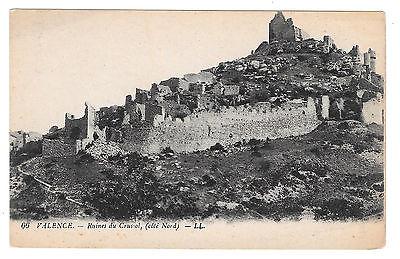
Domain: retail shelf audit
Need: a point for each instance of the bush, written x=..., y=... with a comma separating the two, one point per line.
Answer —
x=218, y=147
x=83, y=157
x=117, y=158
x=28, y=179
x=318, y=150
x=267, y=144
x=174, y=203
x=209, y=180
x=312, y=165
x=265, y=166
x=256, y=153
x=167, y=150
x=277, y=210
x=138, y=190
x=136, y=161
x=238, y=144
x=124, y=197
x=254, y=142
x=339, y=209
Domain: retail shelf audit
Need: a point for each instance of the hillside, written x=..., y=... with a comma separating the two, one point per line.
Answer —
x=332, y=173
x=293, y=130
x=296, y=70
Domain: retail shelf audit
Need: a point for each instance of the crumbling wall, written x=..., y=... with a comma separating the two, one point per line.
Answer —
x=373, y=111
x=281, y=28
x=197, y=88
x=325, y=107
x=83, y=127
x=205, y=102
x=58, y=148
x=202, y=77
x=136, y=112
x=75, y=128
x=75, y=136
x=328, y=41
x=176, y=84
x=231, y=89
x=90, y=114
x=152, y=112
x=370, y=59
x=142, y=96
x=203, y=129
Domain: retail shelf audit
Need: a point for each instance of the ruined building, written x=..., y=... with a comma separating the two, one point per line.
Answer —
x=370, y=60
x=272, y=93
x=281, y=28
x=77, y=134
x=18, y=139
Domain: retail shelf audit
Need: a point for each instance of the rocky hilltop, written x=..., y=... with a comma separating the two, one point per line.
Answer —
x=287, y=85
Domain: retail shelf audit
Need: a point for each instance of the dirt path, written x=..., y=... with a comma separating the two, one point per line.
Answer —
x=48, y=187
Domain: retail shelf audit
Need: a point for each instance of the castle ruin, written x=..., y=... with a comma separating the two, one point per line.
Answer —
x=241, y=99
x=281, y=28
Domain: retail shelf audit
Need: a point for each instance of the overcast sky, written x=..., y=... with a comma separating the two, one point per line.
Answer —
x=60, y=59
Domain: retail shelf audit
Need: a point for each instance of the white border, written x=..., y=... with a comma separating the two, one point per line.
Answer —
x=392, y=127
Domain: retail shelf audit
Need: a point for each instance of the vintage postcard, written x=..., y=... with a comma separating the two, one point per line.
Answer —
x=197, y=129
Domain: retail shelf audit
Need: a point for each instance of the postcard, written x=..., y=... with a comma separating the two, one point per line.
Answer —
x=197, y=129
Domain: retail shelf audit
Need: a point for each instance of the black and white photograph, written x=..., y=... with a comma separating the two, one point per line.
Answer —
x=185, y=120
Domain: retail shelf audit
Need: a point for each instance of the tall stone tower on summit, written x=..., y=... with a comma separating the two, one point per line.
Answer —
x=281, y=28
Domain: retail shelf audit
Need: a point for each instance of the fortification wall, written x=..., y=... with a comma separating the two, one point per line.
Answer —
x=58, y=148
x=201, y=130
x=373, y=111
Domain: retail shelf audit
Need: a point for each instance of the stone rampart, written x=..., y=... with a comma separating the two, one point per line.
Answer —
x=201, y=130
x=373, y=111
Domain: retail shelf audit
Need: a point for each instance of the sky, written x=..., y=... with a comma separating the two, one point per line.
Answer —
x=61, y=58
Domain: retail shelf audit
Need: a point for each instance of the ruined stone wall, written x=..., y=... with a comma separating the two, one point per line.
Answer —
x=202, y=77
x=77, y=134
x=83, y=127
x=142, y=96
x=373, y=111
x=325, y=107
x=281, y=28
x=90, y=114
x=58, y=148
x=152, y=110
x=135, y=112
x=201, y=130
x=196, y=88
x=231, y=89
x=205, y=102
x=76, y=128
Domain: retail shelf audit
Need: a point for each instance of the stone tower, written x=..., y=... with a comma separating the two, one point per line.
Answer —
x=281, y=28
x=372, y=62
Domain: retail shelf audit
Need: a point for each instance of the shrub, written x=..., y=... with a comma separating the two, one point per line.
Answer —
x=339, y=209
x=83, y=157
x=256, y=153
x=267, y=144
x=117, y=158
x=254, y=142
x=218, y=147
x=238, y=144
x=136, y=161
x=167, y=150
x=265, y=166
x=175, y=203
x=313, y=165
x=124, y=197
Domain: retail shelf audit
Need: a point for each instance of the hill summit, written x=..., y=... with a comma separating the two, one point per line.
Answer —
x=286, y=87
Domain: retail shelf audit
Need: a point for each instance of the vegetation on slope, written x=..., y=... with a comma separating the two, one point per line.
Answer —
x=333, y=173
